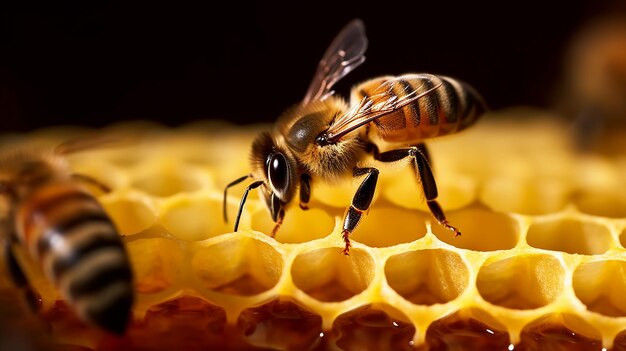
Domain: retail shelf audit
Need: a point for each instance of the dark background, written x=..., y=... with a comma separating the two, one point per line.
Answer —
x=246, y=63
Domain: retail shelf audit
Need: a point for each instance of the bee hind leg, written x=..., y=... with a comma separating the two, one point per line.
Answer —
x=420, y=157
x=92, y=181
x=360, y=203
x=31, y=297
x=421, y=148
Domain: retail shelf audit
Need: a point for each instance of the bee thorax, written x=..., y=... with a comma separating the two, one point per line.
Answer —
x=332, y=161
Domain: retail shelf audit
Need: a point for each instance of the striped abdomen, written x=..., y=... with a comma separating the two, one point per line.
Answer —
x=450, y=108
x=69, y=234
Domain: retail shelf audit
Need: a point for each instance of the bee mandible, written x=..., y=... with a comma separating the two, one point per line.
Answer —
x=323, y=139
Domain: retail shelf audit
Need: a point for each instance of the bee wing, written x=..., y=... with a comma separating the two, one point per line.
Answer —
x=91, y=141
x=343, y=55
x=381, y=102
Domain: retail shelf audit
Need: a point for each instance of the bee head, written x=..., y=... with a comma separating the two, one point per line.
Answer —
x=276, y=167
x=23, y=171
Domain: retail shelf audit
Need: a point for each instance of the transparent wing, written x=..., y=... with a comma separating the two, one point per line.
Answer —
x=343, y=55
x=93, y=141
x=382, y=101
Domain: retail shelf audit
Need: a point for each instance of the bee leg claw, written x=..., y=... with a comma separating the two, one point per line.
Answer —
x=441, y=218
x=279, y=222
x=452, y=228
x=274, y=231
x=346, y=239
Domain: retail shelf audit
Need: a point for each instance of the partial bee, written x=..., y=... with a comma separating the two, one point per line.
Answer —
x=48, y=217
x=594, y=89
x=323, y=138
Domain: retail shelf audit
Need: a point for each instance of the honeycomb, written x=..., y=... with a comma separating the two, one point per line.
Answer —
x=541, y=264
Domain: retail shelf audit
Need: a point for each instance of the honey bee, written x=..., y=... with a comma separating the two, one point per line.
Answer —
x=48, y=217
x=594, y=87
x=323, y=138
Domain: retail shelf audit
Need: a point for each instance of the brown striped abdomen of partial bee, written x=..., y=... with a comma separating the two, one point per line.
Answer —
x=450, y=108
x=79, y=249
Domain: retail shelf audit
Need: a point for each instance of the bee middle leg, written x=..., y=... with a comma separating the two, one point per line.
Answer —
x=360, y=203
x=421, y=165
x=305, y=191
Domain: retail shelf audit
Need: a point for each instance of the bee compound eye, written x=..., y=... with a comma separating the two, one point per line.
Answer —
x=278, y=172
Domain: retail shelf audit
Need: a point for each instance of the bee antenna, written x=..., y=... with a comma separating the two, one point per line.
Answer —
x=243, y=200
x=233, y=183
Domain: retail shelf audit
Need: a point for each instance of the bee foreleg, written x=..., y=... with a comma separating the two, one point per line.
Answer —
x=360, y=203
x=305, y=191
x=279, y=222
x=425, y=173
x=233, y=183
x=18, y=277
x=254, y=185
